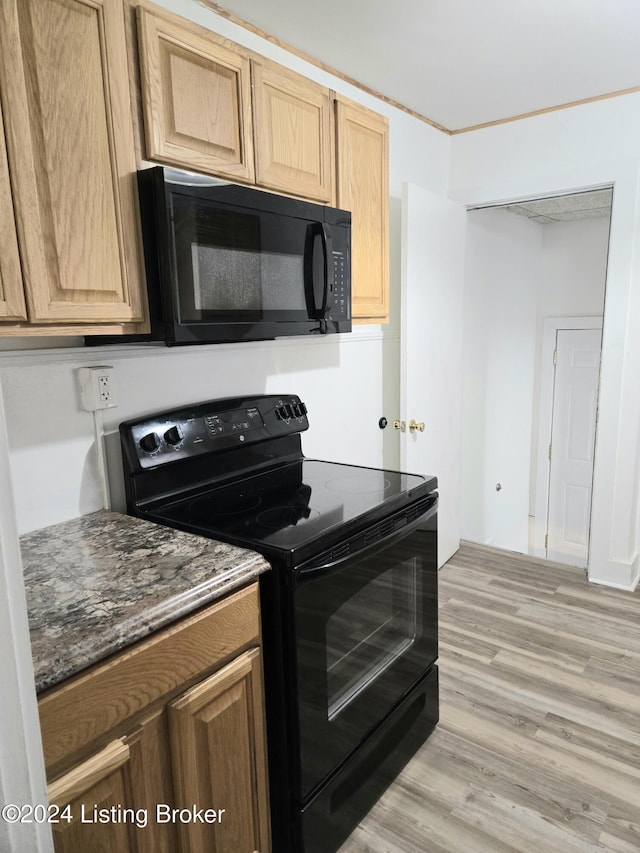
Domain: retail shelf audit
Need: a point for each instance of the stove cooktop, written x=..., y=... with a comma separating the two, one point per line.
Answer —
x=288, y=507
x=233, y=469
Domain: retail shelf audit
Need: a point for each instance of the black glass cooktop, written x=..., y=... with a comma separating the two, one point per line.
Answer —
x=292, y=505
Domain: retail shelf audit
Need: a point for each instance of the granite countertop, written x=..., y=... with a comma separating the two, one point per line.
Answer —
x=101, y=582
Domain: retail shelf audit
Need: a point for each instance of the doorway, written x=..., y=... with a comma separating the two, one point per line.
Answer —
x=547, y=262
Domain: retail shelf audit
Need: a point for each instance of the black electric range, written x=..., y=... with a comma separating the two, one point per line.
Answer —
x=349, y=610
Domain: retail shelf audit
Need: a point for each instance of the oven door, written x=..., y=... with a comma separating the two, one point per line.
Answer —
x=365, y=632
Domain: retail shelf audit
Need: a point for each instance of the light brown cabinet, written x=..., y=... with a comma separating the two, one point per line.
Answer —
x=177, y=722
x=196, y=96
x=71, y=157
x=211, y=106
x=12, y=304
x=70, y=247
x=96, y=792
x=293, y=132
x=223, y=713
x=363, y=188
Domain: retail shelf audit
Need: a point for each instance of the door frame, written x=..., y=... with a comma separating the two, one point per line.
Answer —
x=22, y=772
x=551, y=327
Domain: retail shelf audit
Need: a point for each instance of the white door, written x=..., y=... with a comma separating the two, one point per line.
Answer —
x=433, y=242
x=573, y=431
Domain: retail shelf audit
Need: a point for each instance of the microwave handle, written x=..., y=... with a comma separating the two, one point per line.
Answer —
x=318, y=239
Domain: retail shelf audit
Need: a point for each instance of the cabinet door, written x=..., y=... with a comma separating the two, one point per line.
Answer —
x=151, y=784
x=94, y=795
x=12, y=305
x=363, y=188
x=219, y=759
x=113, y=798
x=63, y=71
x=196, y=97
x=293, y=132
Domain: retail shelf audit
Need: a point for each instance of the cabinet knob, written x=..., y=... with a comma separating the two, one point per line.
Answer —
x=416, y=426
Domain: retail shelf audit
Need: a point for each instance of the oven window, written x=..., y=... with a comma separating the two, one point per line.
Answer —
x=368, y=632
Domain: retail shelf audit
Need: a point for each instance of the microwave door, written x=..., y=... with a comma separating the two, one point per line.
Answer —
x=318, y=272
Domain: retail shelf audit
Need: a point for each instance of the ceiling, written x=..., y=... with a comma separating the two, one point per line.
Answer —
x=565, y=208
x=460, y=63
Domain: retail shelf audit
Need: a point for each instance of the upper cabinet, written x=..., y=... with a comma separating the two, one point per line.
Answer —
x=363, y=188
x=70, y=148
x=12, y=305
x=70, y=245
x=293, y=132
x=196, y=96
x=210, y=107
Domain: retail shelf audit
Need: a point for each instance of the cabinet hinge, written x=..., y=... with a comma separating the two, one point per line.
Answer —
x=555, y=356
x=546, y=540
x=549, y=451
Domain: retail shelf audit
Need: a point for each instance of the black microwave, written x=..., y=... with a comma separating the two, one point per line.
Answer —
x=231, y=263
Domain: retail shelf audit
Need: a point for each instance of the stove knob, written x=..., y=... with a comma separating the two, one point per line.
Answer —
x=174, y=435
x=150, y=442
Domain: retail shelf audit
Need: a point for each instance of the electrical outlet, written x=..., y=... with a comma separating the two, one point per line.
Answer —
x=97, y=388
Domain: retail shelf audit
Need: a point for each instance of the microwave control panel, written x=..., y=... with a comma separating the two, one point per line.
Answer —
x=340, y=310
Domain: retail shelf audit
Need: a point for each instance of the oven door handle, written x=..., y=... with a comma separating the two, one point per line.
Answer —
x=308, y=572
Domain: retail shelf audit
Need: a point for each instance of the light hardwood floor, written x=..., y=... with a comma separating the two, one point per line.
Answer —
x=538, y=745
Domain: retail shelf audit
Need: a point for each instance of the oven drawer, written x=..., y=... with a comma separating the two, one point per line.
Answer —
x=346, y=798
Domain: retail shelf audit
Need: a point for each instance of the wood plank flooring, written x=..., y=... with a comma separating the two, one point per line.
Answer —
x=538, y=745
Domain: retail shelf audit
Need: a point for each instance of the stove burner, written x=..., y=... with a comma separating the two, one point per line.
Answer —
x=356, y=484
x=285, y=516
x=234, y=505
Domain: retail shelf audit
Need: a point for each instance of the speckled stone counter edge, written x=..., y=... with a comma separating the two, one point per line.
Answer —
x=99, y=583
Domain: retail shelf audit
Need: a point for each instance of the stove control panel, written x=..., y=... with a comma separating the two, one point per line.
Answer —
x=209, y=428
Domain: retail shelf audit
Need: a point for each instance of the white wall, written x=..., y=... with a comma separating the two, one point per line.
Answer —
x=502, y=274
x=342, y=380
x=592, y=145
x=574, y=267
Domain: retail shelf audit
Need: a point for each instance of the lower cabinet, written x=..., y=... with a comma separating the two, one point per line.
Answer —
x=187, y=774
x=98, y=790
x=217, y=745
